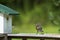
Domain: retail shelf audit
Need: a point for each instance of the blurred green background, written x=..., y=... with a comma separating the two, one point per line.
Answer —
x=46, y=12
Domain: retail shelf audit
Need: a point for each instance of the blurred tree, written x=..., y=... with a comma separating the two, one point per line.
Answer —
x=43, y=10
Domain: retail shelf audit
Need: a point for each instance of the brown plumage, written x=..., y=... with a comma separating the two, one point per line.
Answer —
x=39, y=28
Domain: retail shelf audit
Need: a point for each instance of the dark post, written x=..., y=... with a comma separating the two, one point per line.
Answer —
x=41, y=38
x=9, y=38
x=24, y=38
x=57, y=39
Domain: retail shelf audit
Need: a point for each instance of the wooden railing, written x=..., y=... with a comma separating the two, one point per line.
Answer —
x=29, y=36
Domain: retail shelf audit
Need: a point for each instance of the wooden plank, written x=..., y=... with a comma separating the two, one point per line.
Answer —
x=1, y=39
x=46, y=36
x=3, y=36
x=26, y=36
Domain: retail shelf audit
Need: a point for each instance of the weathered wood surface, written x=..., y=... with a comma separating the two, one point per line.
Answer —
x=35, y=36
x=32, y=36
x=3, y=37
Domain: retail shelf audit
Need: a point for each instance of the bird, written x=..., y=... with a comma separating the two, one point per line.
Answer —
x=39, y=28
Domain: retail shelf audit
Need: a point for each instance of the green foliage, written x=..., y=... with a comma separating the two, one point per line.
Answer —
x=34, y=11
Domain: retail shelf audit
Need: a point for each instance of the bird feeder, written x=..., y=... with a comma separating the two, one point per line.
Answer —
x=6, y=14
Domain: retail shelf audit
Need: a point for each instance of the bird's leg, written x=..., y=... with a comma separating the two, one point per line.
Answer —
x=42, y=32
x=37, y=32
